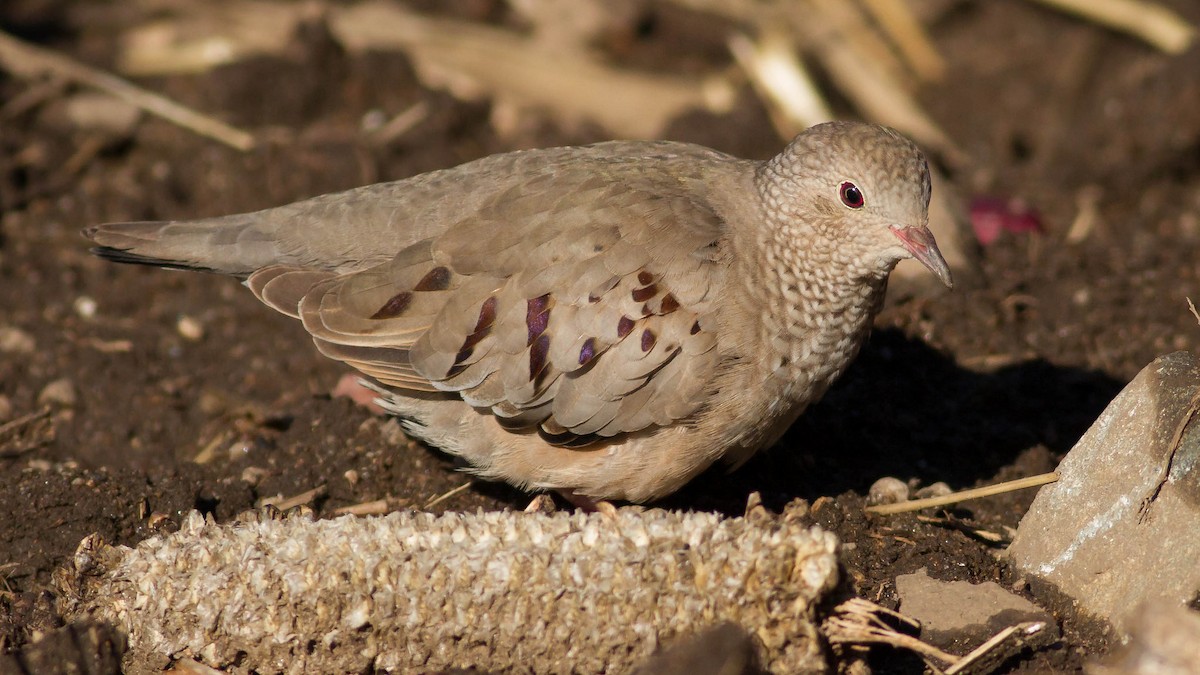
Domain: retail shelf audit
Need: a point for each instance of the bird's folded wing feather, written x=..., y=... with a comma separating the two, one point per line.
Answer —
x=575, y=301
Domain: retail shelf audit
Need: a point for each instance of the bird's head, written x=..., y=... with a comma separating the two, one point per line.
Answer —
x=848, y=189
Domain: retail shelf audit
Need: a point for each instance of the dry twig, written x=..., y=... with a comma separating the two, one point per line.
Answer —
x=474, y=60
x=302, y=499
x=780, y=78
x=1149, y=21
x=10, y=430
x=964, y=495
x=27, y=61
x=857, y=621
x=898, y=21
x=447, y=495
x=999, y=647
x=375, y=508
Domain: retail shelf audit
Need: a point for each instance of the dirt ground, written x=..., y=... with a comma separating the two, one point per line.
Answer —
x=176, y=391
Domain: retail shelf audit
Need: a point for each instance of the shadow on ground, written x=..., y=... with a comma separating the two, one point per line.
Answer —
x=904, y=409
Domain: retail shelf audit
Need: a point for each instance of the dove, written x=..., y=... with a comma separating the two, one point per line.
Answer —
x=606, y=321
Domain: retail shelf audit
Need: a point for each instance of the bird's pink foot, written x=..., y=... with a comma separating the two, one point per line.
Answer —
x=542, y=503
x=350, y=387
x=587, y=504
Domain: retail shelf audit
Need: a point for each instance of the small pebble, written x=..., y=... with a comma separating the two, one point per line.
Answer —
x=16, y=341
x=60, y=392
x=351, y=476
x=938, y=489
x=887, y=490
x=393, y=433
x=254, y=474
x=189, y=328
x=104, y=113
x=85, y=307
x=373, y=120
x=6, y=408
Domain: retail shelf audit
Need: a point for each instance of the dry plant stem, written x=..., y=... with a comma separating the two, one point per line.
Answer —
x=964, y=495
x=22, y=422
x=878, y=96
x=844, y=22
x=401, y=124
x=1149, y=21
x=375, y=508
x=27, y=62
x=856, y=621
x=882, y=100
x=779, y=77
x=1192, y=309
x=447, y=495
x=301, y=499
x=1021, y=631
x=472, y=60
x=898, y=21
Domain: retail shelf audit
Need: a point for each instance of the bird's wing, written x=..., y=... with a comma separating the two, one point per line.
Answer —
x=580, y=302
x=357, y=229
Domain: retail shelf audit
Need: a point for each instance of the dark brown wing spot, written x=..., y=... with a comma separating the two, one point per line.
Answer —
x=648, y=340
x=487, y=316
x=394, y=307
x=695, y=327
x=669, y=304
x=644, y=278
x=436, y=279
x=644, y=294
x=537, y=316
x=624, y=326
x=483, y=326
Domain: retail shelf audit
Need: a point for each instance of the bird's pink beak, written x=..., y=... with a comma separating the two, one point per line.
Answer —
x=919, y=241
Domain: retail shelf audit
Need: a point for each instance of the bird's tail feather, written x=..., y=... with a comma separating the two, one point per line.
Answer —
x=230, y=245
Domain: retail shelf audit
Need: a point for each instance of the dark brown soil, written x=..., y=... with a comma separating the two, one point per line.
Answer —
x=993, y=381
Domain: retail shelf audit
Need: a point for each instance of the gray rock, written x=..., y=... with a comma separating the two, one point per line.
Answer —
x=1164, y=640
x=1120, y=526
x=962, y=615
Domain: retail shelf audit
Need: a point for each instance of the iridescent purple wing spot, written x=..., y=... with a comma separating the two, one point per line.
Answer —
x=537, y=316
x=587, y=352
x=538, y=352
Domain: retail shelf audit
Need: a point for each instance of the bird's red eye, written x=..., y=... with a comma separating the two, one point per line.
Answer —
x=851, y=195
